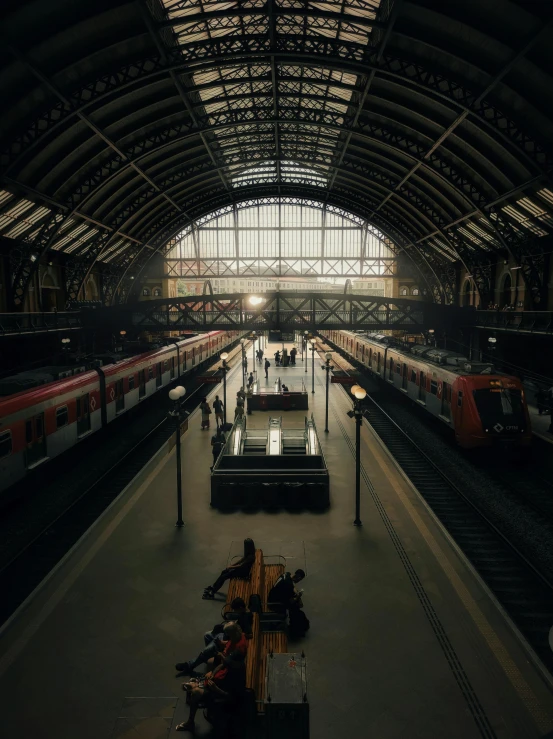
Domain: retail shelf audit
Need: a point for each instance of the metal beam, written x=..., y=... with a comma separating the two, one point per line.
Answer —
x=489, y=87
x=237, y=12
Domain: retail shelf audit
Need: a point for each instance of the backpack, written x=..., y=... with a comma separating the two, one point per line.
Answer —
x=268, y=365
x=299, y=623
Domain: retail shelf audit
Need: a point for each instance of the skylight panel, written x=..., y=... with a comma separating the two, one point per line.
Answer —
x=524, y=220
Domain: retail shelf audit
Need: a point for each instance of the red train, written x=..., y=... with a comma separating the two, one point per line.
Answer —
x=40, y=423
x=482, y=406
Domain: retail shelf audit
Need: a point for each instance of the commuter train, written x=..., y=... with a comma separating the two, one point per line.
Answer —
x=481, y=406
x=40, y=423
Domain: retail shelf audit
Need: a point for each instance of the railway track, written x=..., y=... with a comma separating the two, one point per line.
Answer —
x=34, y=558
x=524, y=593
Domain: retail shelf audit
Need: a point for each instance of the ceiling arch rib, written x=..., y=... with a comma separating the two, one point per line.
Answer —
x=337, y=89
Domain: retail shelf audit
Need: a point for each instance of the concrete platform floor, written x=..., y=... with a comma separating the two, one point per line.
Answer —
x=404, y=639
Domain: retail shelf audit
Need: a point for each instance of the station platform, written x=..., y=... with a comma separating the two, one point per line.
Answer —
x=405, y=640
x=540, y=424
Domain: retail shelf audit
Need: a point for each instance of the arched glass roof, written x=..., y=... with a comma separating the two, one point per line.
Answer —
x=276, y=238
x=125, y=122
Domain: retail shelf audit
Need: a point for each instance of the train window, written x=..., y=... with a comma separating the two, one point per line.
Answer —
x=5, y=443
x=166, y=365
x=413, y=376
x=131, y=382
x=460, y=398
x=38, y=425
x=398, y=368
x=62, y=417
x=150, y=373
x=434, y=387
x=28, y=431
x=78, y=402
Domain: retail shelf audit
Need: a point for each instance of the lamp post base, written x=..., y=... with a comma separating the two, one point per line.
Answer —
x=326, y=431
x=179, y=524
x=357, y=522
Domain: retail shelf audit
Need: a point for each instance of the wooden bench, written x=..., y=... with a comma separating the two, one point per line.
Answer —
x=271, y=641
x=261, y=580
x=243, y=587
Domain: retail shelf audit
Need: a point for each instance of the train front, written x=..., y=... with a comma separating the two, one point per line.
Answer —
x=499, y=414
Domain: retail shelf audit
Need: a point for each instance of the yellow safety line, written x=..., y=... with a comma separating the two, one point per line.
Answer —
x=542, y=719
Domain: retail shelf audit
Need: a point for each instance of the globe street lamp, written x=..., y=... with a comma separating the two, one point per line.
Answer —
x=312, y=342
x=327, y=367
x=359, y=394
x=244, y=361
x=225, y=368
x=176, y=395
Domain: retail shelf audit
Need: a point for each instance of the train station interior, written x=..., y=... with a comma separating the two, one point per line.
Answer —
x=276, y=369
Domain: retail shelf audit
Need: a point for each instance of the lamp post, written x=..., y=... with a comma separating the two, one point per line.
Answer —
x=253, y=337
x=225, y=368
x=176, y=395
x=306, y=337
x=327, y=367
x=359, y=394
x=312, y=342
x=244, y=361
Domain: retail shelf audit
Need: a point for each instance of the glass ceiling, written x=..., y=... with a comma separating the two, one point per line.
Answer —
x=293, y=94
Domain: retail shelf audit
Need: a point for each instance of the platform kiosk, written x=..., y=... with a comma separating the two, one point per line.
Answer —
x=278, y=397
x=273, y=467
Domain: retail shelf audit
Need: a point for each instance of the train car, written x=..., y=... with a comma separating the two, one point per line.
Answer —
x=42, y=422
x=482, y=407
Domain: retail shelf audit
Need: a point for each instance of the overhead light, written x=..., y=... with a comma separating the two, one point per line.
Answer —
x=516, y=267
x=492, y=340
x=360, y=393
x=255, y=300
x=33, y=257
x=224, y=356
x=354, y=388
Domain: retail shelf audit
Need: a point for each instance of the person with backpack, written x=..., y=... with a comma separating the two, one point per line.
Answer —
x=250, y=380
x=277, y=357
x=217, y=444
x=218, y=408
x=267, y=365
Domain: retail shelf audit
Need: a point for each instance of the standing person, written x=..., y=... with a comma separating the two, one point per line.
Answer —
x=245, y=365
x=277, y=357
x=217, y=444
x=206, y=412
x=267, y=365
x=260, y=355
x=250, y=380
x=293, y=353
x=239, y=411
x=218, y=408
x=242, y=568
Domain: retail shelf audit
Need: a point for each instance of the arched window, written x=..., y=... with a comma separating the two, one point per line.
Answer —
x=157, y=292
x=145, y=292
x=467, y=293
x=506, y=294
x=403, y=291
x=415, y=291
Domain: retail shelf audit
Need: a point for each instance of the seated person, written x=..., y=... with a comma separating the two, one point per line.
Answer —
x=284, y=388
x=227, y=682
x=283, y=595
x=242, y=568
x=229, y=639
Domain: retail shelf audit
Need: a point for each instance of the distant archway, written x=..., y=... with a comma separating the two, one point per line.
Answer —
x=467, y=294
x=506, y=294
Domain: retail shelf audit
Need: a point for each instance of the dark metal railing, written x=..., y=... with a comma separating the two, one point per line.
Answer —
x=519, y=321
x=30, y=323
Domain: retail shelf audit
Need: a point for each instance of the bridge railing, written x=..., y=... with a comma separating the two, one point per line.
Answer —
x=273, y=317
x=29, y=323
x=523, y=321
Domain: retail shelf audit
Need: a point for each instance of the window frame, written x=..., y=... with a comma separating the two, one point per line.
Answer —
x=62, y=410
x=6, y=435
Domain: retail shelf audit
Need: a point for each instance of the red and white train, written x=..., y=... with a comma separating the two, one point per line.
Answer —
x=480, y=405
x=38, y=424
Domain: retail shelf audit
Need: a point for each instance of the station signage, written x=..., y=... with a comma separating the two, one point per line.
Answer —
x=213, y=379
x=343, y=380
